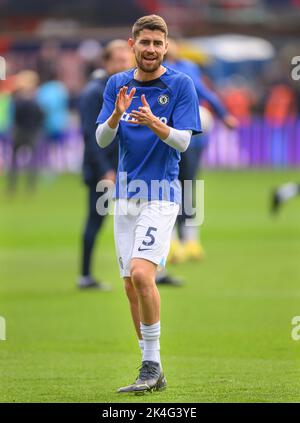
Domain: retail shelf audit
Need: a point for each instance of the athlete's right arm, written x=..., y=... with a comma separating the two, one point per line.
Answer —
x=107, y=131
x=105, y=134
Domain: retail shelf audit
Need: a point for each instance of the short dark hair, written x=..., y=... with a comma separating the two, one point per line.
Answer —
x=152, y=22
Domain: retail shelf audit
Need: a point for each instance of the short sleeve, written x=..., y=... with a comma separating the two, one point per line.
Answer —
x=109, y=99
x=186, y=112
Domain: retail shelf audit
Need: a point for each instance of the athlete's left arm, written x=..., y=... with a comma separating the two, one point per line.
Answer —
x=176, y=138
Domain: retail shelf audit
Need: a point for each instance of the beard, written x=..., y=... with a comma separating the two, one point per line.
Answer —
x=148, y=67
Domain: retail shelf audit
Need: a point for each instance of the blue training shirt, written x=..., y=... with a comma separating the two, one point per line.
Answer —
x=148, y=167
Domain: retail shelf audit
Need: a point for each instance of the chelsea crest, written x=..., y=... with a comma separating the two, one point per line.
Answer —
x=163, y=99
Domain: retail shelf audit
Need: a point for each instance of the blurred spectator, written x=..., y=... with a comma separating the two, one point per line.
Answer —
x=27, y=124
x=280, y=110
x=239, y=102
x=47, y=60
x=53, y=98
x=281, y=105
x=5, y=109
x=6, y=87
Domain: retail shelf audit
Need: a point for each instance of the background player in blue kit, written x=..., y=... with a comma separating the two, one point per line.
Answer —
x=187, y=246
x=154, y=110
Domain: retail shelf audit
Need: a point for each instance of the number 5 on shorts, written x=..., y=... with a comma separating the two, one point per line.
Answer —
x=150, y=235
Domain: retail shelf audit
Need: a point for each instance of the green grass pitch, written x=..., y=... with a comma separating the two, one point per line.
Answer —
x=226, y=335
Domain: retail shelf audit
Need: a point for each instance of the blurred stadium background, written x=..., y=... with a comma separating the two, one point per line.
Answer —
x=234, y=312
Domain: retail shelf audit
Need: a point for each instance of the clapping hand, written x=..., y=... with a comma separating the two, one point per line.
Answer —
x=123, y=100
x=144, y=116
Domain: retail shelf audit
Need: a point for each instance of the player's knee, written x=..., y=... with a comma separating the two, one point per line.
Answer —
x=140, y=278
x=138, y=274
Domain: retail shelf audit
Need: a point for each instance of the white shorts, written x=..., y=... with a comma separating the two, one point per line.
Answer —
x=143, y=229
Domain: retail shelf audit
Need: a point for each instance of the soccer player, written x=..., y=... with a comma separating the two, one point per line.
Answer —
x=154, y=110
x=188, y=247
x=283, y=194
x=102, y=164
